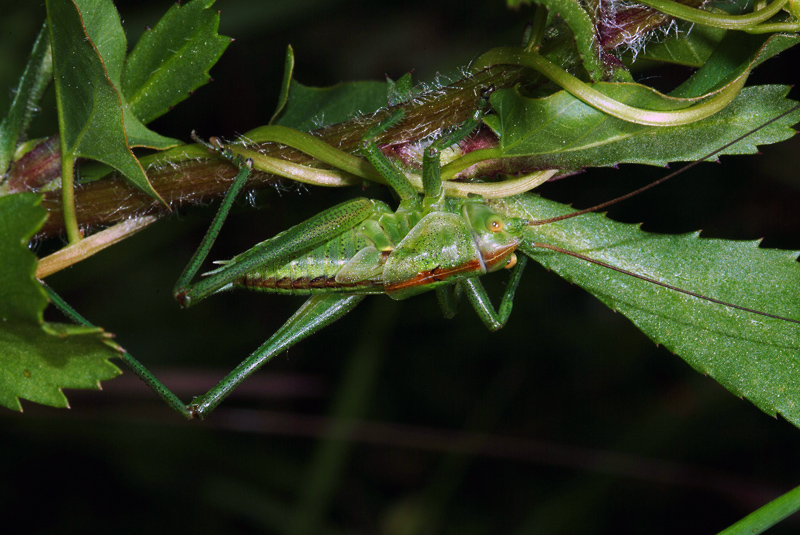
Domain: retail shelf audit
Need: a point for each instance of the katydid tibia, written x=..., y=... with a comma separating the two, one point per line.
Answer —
x=362, y=247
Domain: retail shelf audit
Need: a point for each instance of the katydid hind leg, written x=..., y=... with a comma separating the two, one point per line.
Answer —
x=132, y=363
x=183, y=284
x=314, y=315
x=317, y=313
x=287, y=245
x=299, y=239
x=283, y=247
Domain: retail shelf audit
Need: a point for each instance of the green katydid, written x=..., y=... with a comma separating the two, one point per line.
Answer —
x=362, y=247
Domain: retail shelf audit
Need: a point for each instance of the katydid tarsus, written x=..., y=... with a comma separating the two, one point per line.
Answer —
x=362, y=247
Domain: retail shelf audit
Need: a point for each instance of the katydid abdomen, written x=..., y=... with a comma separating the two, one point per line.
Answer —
x=316, y=271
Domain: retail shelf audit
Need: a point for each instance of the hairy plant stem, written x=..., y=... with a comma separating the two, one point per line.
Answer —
x=191, y=175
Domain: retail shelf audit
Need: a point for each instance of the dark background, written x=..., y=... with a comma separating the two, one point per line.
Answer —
x=567, y=421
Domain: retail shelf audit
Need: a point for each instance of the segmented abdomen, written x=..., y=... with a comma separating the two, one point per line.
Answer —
x=314, y=272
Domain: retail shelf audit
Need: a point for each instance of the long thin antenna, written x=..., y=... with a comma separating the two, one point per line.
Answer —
x=665, y=178
x=645, y=188
x=659, y=283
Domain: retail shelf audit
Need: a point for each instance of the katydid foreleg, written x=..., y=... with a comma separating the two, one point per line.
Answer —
x=431, y=162
x=494, y=320
x=476, y=294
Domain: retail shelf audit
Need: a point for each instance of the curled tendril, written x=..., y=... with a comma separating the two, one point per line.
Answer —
x=698, y=109
x=750, y=22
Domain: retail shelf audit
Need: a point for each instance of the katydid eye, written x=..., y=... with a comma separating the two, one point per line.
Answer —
x=495, y=224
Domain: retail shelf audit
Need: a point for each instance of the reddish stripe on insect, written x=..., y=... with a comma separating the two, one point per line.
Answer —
x=436, y=274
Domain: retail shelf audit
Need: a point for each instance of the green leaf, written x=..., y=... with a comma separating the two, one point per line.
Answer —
x=38, y=359
x=92, y=120
x=36, y=365
x=103, y=28
x=310, y=108
x=288, y=72
x=562, y=132
x=172, y=59
x=21, y=297
x=749, y=354
x=37, y=76
x=736, y=53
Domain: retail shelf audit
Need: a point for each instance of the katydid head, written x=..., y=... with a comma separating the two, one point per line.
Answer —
x=497, y=237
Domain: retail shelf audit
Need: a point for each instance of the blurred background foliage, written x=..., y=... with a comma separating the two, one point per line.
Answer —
x=567, y=421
